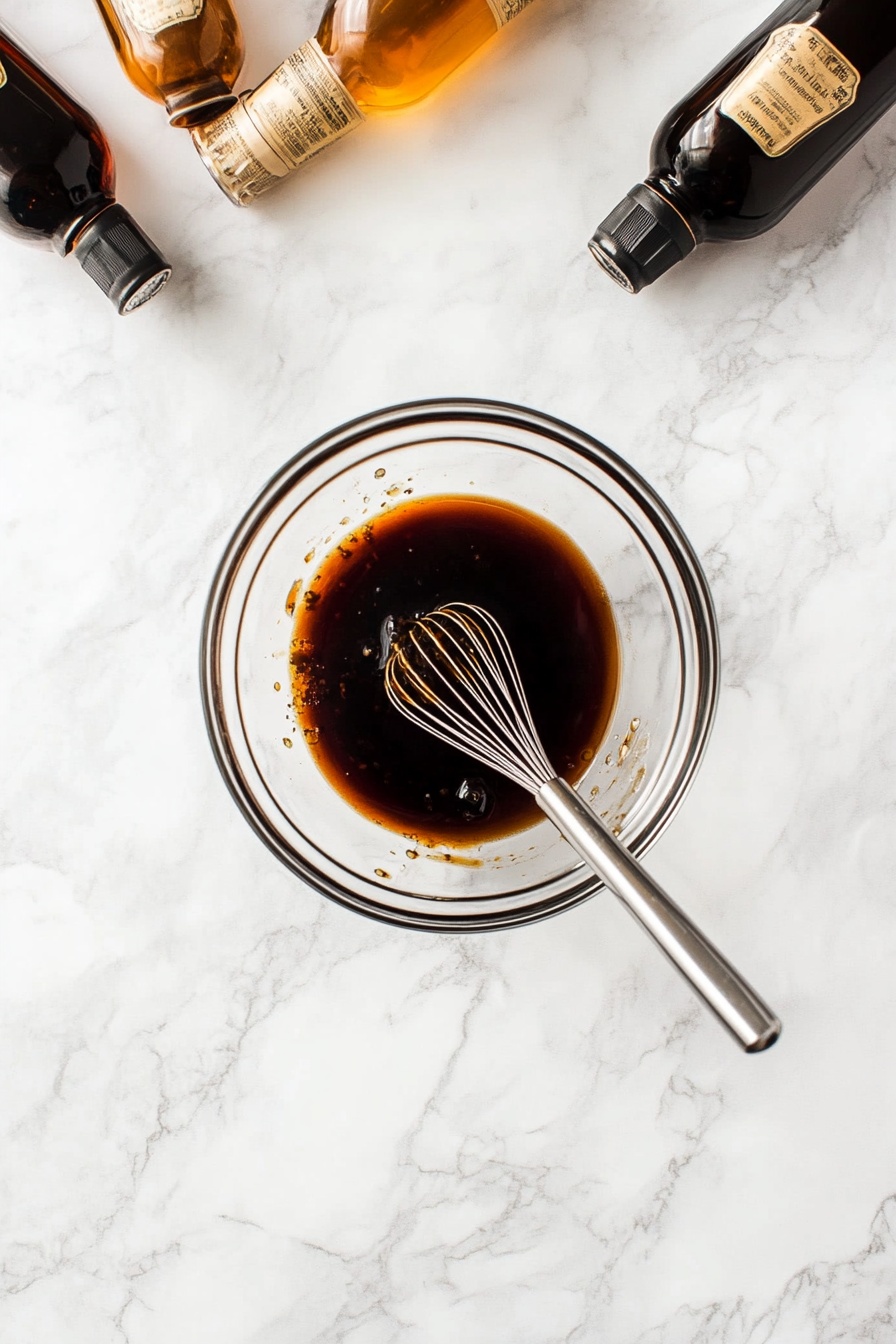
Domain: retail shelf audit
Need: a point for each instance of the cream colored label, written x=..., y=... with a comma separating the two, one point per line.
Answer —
x=2, y=75
x=293, y=115
x=239, y=159
x=154, y=16
x=797, y=81
x=303, y=106
x=505, y=10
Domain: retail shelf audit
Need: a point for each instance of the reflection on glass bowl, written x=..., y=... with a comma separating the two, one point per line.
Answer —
x=669, y=674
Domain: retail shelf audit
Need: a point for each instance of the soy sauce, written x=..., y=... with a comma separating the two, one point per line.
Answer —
x=532, y=579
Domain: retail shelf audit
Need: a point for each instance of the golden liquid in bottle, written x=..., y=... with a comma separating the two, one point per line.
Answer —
x=190, y=66
x=368, y=56
x=391, y=53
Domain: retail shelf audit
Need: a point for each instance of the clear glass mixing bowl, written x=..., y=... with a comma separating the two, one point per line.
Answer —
x=664, y=614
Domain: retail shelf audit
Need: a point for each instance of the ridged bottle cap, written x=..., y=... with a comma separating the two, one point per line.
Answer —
x=116, y=253
x=641, y=239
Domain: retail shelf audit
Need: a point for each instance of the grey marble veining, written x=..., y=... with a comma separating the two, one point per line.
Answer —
x=231, y=1111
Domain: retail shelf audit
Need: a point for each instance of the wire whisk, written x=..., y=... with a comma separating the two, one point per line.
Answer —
x=453, y=674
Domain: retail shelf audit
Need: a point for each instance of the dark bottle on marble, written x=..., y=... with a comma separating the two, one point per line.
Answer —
x=739, y=151
x=57, y=184
x=186, y=54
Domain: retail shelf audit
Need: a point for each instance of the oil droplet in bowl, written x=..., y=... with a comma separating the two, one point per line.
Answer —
x=626, y=745
x=475, y=798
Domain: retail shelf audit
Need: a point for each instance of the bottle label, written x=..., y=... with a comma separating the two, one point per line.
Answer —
x=154, y=16
x=505, y=10
x=293, y=115
x=797, y=82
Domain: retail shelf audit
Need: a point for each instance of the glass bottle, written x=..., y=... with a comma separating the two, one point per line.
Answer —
x=737, y=153
x=368, y=55
x=57, y=184
x=186, y=54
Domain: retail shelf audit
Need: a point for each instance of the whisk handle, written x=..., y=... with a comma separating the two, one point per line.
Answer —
x=734, y=1002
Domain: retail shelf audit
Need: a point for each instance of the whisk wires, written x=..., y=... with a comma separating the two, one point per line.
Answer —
x=453, y=673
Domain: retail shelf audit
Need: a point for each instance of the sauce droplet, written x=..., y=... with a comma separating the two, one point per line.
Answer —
x=293, y=597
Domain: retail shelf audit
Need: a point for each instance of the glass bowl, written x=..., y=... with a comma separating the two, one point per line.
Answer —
x=664, y=614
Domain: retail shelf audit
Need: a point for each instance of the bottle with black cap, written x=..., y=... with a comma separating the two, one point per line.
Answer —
x=57, y=184
x=746, y=145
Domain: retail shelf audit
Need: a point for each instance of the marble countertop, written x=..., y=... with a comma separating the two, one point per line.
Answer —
x=232, y=1111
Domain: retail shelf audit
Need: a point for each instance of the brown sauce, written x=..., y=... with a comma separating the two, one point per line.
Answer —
x=532, y=579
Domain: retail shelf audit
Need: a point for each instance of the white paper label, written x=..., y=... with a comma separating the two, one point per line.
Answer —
x=154, y=16
x=505, y=10
x=303, y=106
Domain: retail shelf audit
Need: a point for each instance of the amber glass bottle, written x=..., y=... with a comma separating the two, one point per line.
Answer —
x=57, y=184
x=739, y=151
x=368, y=55
x=186, y=54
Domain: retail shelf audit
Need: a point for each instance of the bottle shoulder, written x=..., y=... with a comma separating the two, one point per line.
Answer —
x=56, y=167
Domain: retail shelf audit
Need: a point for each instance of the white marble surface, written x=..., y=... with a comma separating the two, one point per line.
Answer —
x=232, y=1112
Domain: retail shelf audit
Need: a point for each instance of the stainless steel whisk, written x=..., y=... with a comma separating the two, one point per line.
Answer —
x=453, y=673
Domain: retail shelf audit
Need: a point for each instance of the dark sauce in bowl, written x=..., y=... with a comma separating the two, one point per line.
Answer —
x=535, y=582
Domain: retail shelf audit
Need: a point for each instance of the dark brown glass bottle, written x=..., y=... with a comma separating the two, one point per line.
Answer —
x=186, y=54
x=739, y=151
x=57, y=184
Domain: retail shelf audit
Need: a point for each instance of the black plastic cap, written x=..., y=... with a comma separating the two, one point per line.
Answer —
x=116, y=253
x=641, y=239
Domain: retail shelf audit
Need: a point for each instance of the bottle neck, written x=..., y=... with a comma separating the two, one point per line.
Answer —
x=196, y=104
x=667, y=191
x=66, y=238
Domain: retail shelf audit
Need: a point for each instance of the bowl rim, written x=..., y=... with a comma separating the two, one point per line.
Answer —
x=461, y=410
